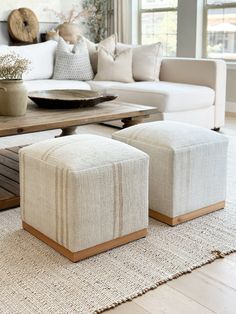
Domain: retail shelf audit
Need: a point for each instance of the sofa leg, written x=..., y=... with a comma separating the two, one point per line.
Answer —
x=216, y=129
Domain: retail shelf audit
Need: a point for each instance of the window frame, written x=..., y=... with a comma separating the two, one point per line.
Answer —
x=205, y=20
x=154, y=10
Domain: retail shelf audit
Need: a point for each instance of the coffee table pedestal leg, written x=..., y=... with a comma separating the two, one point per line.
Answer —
x=71, y=130
x=133, y=121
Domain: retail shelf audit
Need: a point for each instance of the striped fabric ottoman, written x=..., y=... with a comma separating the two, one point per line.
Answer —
x=187, y=168
x=84, y=194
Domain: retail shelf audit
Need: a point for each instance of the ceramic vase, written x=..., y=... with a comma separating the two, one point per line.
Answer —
x=13, y=98
x=69, y=32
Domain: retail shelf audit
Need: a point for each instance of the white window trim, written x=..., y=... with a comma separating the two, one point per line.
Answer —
x=200, y=30
x=231, y=64
x=154, y=10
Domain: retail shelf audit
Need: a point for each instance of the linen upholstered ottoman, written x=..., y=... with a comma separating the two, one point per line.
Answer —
x=187, y=168
x=84, y=194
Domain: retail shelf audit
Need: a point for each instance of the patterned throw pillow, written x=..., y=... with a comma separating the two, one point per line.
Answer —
x=72, y=64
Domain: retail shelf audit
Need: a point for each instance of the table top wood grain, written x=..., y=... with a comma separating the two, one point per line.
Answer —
x=38, y=119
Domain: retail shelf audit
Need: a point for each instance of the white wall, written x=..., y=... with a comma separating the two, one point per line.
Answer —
x=231, y=91
x=190, y=21
x=3, y=33
x=38, y=6
x=66, y=5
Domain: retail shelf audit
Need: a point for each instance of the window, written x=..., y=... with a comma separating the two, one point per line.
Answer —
x=221, y=29
x=158, y=22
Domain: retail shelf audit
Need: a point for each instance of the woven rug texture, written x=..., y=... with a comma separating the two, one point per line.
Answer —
x=36, y=279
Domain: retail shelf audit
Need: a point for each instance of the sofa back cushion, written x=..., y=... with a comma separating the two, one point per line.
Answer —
x=146, y=61
x=40, y=55
x=72, y=63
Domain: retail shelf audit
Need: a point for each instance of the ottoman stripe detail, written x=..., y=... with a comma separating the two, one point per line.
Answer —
x=57, y=202
x=84, y=194
x=185, y=182
x=55, y=147
x=63, y=208
x=22, y=185
x=60, y=202
x=120, y=193
x=118, y=200
x=67, y=207
x=115, y=200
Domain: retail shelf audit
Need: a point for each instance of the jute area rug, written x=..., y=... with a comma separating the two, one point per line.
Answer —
x=35, y=279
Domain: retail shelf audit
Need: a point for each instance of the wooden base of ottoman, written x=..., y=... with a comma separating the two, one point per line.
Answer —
x=186, y=217
x=78, y=256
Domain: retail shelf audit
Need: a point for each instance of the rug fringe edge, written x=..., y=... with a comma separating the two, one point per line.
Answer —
x=216, y=255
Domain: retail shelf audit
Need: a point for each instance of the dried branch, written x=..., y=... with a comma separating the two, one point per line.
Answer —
x=12, y=66
x=73, y=15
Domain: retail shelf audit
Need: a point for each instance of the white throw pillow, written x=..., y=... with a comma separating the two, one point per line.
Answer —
x=40, y=55
x=146, y=61
x=116, y=68
x=109, y=44
x=73, y=64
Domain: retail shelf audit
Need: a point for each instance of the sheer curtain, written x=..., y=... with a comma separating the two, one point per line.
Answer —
x=122, y=20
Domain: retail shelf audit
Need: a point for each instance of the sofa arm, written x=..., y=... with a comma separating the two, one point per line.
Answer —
x=205, y=72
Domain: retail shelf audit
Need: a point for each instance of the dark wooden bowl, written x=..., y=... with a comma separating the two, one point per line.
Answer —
x=68, y=99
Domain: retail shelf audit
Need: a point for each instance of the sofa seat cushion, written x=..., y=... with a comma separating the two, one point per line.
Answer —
x=104, y=85
x=38, y=85
x=167, y=96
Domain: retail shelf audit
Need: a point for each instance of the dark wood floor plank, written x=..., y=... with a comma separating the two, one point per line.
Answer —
x=9, y=185
x=9, y=173
x=9, y=162
x=9, y=178
x=5, y=194
x=9, y=154
x=14, y=149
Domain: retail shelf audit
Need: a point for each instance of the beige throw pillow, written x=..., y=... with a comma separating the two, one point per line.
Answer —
x=109, y=44
x=146, y=61
x=116, y=68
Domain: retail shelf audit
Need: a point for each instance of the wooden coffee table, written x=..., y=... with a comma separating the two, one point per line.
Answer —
x=37, y=120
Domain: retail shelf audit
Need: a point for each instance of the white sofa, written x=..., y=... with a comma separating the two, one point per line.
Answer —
x=189, y=90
